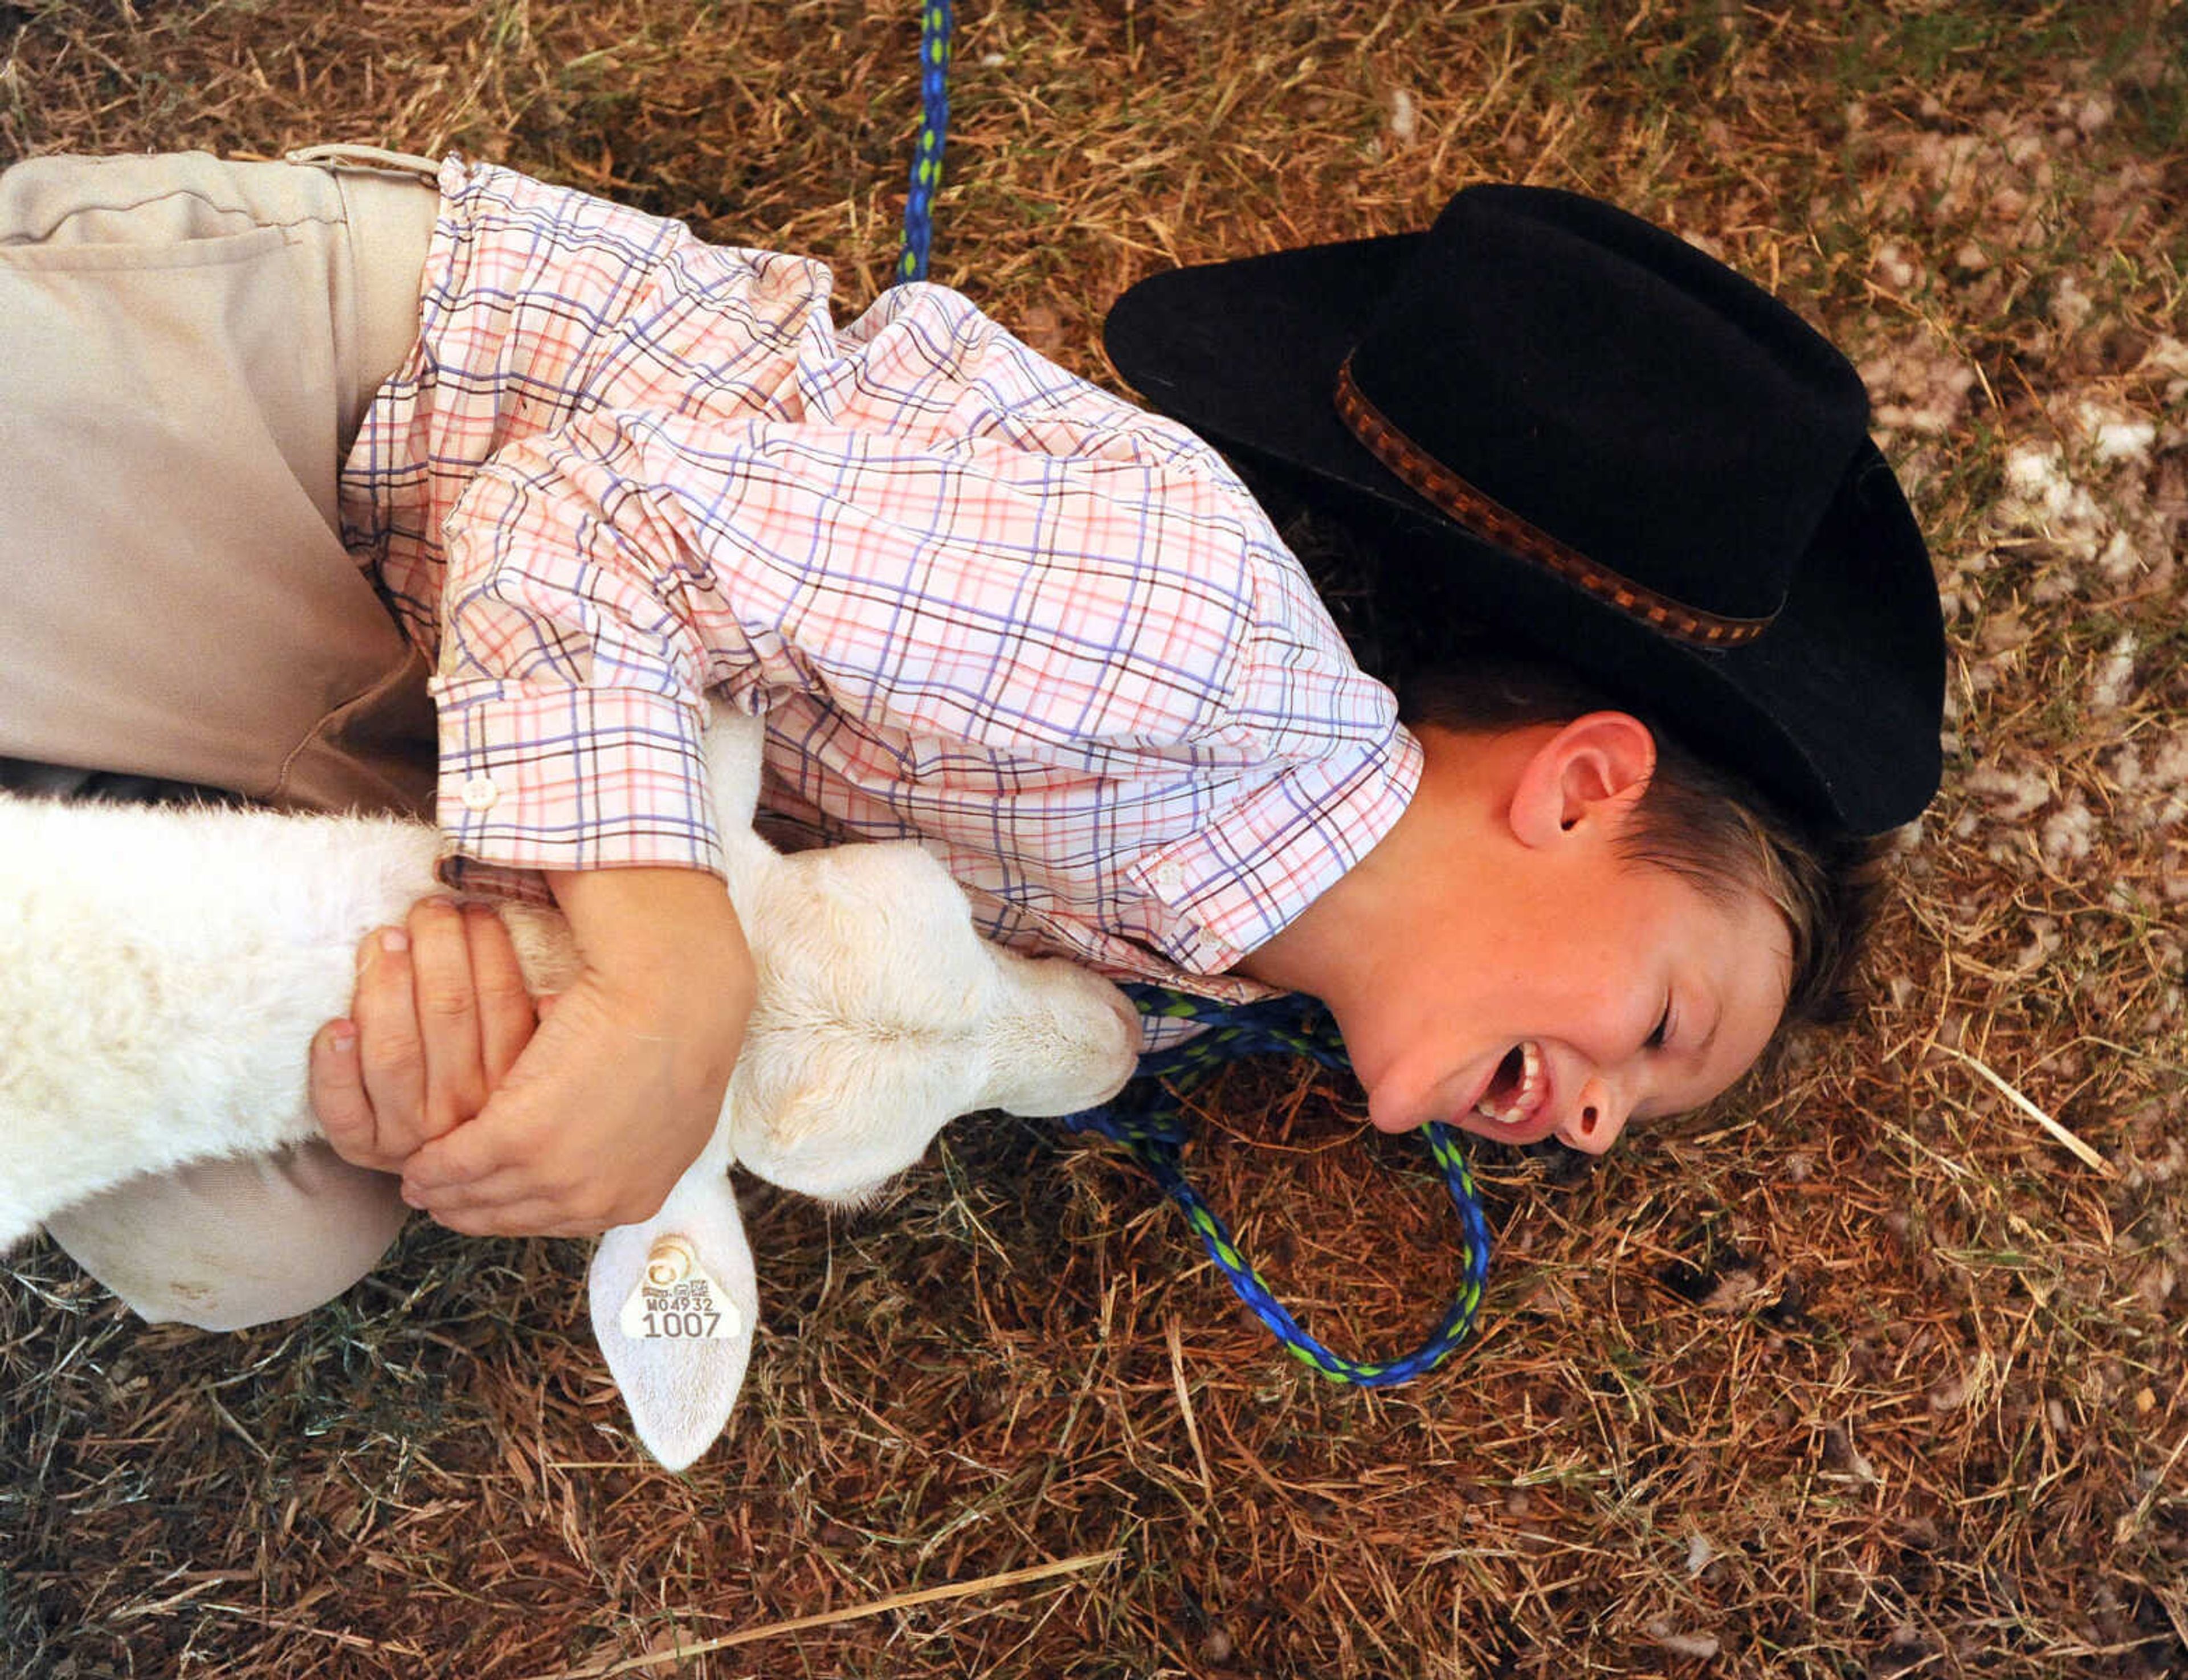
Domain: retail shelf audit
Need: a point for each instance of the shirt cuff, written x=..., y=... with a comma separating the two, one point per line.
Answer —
x=1233, y=886
x=568, y=778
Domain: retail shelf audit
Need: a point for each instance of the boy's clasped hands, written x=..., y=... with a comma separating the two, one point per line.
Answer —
x=506, y=1120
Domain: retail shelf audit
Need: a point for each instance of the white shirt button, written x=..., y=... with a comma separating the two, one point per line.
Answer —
x=479, y=793
x=1169, y=879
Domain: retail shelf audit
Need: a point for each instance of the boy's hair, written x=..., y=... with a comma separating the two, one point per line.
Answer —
x=1696, y=817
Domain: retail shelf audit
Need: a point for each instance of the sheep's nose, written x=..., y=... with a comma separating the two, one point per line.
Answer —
x=1106, y=1057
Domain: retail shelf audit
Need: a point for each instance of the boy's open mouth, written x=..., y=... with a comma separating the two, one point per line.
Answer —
x=1517, y=1088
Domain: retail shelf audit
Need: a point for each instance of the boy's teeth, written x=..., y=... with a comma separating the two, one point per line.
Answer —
x=1525, y=1098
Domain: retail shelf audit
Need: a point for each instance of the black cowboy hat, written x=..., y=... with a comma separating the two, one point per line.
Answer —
x=1623, y=451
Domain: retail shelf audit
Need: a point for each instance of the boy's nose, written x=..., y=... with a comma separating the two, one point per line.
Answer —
x=1597, y=1121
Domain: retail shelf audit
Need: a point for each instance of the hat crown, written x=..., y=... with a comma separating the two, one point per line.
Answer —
x=1618, y=390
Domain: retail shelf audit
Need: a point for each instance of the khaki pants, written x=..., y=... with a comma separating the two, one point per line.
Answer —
x=187, y=348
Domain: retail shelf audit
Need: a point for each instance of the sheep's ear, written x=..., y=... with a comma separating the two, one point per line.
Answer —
x=674, y=1304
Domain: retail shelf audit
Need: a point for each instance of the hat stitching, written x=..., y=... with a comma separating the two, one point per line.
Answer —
x=1487, y=517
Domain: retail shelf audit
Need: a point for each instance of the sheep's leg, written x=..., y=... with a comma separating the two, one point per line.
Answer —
x=161, y=973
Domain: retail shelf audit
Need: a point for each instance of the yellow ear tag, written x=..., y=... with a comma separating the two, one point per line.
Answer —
x=676, y=1301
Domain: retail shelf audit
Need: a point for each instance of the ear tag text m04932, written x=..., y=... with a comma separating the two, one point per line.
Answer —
x=676, y=1300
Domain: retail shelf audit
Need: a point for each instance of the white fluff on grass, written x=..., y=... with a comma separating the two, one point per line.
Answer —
x=2069, y=834
x=2018, y=794
x=2114, y=437
x=2166, y=782
x=2114, y=678
x=162, y=970
x=2040, y=492
x=1917, y=385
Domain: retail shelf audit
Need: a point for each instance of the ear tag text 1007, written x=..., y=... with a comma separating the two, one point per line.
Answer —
x=676, y=1300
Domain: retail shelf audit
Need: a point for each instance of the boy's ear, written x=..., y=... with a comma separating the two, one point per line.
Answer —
x=1593, y=769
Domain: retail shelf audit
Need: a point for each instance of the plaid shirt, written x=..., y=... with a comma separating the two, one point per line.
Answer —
x=982, y=602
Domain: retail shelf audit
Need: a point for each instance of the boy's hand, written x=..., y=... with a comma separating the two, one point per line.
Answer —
x=439, y=1018
x=610, y=1100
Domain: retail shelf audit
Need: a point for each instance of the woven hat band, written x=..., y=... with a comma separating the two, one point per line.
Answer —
x=1487, y=518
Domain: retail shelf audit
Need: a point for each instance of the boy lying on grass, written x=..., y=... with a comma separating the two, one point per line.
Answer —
x=594, y=470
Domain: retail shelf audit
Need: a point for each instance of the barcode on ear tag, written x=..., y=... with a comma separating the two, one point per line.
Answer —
x=676, y=1300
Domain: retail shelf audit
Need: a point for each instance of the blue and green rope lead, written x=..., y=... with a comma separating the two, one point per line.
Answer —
x=935, y=21
x=1147, y=1118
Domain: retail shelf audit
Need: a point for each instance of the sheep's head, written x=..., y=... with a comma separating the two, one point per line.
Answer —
x=882, y=1015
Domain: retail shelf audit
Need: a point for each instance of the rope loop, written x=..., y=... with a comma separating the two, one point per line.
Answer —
x=1148, y=1118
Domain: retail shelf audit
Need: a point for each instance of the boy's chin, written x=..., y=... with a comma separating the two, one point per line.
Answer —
x=1394, y=1127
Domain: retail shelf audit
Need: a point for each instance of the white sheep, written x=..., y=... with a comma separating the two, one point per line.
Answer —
x=163, y=969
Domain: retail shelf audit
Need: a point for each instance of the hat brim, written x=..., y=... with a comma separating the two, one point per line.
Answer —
x=1834, y=710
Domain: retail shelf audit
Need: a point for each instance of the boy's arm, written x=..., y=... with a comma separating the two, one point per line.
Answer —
x=610, y=1100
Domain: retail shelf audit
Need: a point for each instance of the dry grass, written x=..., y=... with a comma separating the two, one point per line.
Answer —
x=1862, y=1375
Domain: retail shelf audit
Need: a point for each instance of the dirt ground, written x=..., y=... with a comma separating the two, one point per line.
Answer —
x=1868, y=1371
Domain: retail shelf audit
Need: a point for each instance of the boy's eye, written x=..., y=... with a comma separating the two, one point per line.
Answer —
x=1663, y=1027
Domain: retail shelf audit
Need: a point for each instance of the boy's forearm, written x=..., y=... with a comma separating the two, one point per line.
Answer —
x=670, y=930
